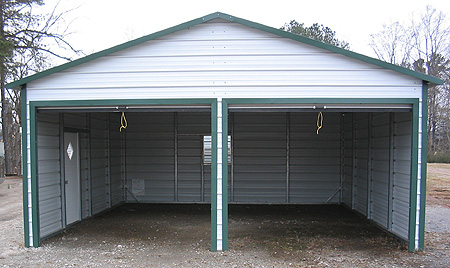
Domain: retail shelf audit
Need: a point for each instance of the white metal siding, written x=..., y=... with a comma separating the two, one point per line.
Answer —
x=49, y=174
x=238, y=62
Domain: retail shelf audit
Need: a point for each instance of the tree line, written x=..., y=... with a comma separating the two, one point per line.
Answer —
x=29, y=41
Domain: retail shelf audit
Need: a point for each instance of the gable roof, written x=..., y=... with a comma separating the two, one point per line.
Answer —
x=219, y=15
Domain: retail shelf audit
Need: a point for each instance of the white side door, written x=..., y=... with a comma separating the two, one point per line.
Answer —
x=72, y=177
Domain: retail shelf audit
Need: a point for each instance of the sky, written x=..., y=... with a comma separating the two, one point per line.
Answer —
x=100, y=24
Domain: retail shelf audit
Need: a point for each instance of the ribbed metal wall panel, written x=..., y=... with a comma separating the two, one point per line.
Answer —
x=380, y=175
x=100, y=184
x=259, y=157
x=49, y=174
x=401, y=173
x=85, y=176
x=347, y=165
x=75, y=121
x=314, y=158
x=191, y=129
x=239, y=62
x=150, y=149
x=165, y=150
x=360, y=174
x=115, y=159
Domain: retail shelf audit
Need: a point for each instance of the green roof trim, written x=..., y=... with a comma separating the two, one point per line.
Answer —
x=219, y=15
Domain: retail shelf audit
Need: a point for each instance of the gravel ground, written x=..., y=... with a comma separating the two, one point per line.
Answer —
x=178, y=236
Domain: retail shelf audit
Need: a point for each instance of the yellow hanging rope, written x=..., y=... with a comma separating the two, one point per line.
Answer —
x=319, y=122
x=122, y=121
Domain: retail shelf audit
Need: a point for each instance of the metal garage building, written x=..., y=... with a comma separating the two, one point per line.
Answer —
x=222, y=110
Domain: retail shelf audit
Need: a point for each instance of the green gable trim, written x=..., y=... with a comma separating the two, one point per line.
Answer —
x=219, y=15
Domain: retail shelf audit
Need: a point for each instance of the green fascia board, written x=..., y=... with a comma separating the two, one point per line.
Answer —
x=219, y=15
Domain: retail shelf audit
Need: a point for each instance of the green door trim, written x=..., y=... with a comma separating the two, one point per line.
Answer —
x=35, y=105
x=414, y=141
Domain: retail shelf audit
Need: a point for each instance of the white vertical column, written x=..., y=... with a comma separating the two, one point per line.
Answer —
x=219, y=175
x=419, y=176
x=29, y=190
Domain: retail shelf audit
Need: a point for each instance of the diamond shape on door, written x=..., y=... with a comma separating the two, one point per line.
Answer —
x=70, y=151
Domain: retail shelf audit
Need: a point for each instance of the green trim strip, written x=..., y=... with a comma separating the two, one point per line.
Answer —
x=322, y=101
x=218, y=15
x=423, y=182
x=224, y=175
x=214, y=176
x=34, y=182
x=414, y=173
x=26, y=232
x=120, y=103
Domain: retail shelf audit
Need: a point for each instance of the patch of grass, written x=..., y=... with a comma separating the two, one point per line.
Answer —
x=438, y=183
x=439, y=157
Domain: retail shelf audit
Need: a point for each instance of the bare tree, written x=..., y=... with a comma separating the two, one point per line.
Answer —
x=424, y=46
x=27, y=42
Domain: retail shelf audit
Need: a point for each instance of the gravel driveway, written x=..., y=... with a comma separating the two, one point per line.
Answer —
x=178, y=236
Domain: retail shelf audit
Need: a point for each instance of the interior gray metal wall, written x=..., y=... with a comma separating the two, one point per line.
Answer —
x=100, y=165
x=347, y=164
x=376, y=167
x=115, y=158
x=276, y=158
x=279, y=158
x=401, y=174
x=50, y=190
x=362, y=167
x=164, y=152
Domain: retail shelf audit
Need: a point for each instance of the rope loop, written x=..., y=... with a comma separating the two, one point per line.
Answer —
x=123, y=122
x=319, y=122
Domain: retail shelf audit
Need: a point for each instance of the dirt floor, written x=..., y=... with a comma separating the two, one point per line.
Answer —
x=260, y=236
